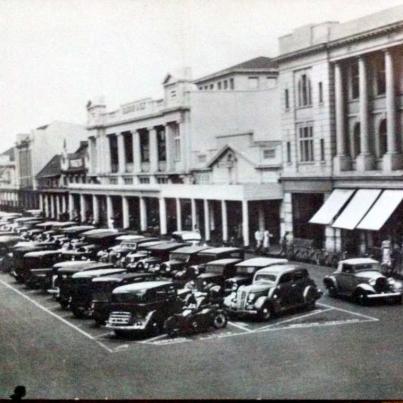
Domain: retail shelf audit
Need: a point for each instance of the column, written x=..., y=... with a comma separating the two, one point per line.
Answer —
x=153, y=149
x=224, y=220
x=168, y=146
x=245, y=222
x=71, y=206
x=163, y=215
x=193, y=212
x=95, y=208
x=260, y=216
x=341, y=161
x=64, y=204
x=125, y=211
x=206, y=220
x=364, y=161
x=45, y=205
x=57, y=201
x=83, y=208
x=52, y=206
x=178, y=215
x=121, y=153
x=109, y=211
x=143, y=214
x=41, y=206
x=136, y=151
x=392, y=158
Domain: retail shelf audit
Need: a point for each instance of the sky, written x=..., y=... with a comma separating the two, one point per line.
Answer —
x=58, y=54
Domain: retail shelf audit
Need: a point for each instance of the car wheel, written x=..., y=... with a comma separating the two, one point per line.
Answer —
x=220, y=320
x=154, y=328
x=120, y=333
x=265, y=313
x=361, y=297
x=78, y=313
x=332, y=291
x=64, y=304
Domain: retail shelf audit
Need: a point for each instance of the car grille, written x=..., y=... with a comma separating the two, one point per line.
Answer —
x=381, y=285
x=120, y=318
x=242, y=299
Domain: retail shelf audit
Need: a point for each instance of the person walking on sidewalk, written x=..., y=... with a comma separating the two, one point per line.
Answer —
x=266, y=241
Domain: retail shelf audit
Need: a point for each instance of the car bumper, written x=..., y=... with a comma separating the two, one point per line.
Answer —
x=244, y=312
x=385, y=295
x=135, y=327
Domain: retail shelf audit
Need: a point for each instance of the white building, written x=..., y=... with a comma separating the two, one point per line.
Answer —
x=8, y=180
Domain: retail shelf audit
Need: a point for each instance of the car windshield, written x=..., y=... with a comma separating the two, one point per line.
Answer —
x=214, y=269
x=367, y=266
x=132, y=297
x=246, y=269
x=181, y=257
x=266, y=278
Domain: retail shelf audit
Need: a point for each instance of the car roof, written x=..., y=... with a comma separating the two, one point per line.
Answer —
x=104, y=234
x=42, y=253
x=221, y=249
x=191, y=249
x=76, y=228
x=359, y=260
x=150, y=243
x=129, y=238
x=187, y=235
x=96, y=272
x=279, y=269
x=223, y=262
x=261, y=262
x=166, y=245
x=9, y=238
x=75, y=263
x=148, y=285
x=122, y=276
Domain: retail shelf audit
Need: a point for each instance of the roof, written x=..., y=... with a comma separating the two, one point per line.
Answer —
x=221, y=249
x=10, y=153
x=222, y=262
x=359, y=260
x=260, y=63
x=52, y=169
x=139, y=286
x=262, y=262
x=97, y=272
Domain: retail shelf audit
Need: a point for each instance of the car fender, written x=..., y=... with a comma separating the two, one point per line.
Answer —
x=260, y=302
x=310, y=289
x=365, y=287
x=330, y=280
x=151, y=315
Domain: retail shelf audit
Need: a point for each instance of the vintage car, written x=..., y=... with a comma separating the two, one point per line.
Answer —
x=362, y=279
x=101, y=239
x=274, y=289
x=62, y=274
x=245, y=271
x=143, y=307
x=81, y=291
x=37, y=260
x=6, y=245
x=157, y=252
x=102, y=287
x=214, y=275
x=76, y=230
x=192, y=237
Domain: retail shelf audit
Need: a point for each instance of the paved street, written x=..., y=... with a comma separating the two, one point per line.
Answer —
x=337, y=351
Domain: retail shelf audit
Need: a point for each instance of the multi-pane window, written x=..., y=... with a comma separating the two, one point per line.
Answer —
x=161, y=144
x=287, y=99
x=162, y=179
x=320, y=89
x=144, y=179
x=355, y=80
x=225, y=84
x=128, y=142
x=304, y=91
x=380, y=76
x=144, y=146
x=322, y=149
x=177, y=144
x=219, y=85
x=231, y=83
x=306, y=144
x=113, y=147
x=269, y=153
x=288, y=151
x=211, y=86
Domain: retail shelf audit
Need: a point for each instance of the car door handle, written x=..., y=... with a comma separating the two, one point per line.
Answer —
x=294, y=285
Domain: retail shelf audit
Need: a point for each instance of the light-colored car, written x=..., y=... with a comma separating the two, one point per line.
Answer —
x=362, y=279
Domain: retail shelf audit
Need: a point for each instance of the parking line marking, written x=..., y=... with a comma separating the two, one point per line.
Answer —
x=103, y=335
x=54, y=315
x=351, y=312
x=317, y=311
x=240, y=326
x=161, y=336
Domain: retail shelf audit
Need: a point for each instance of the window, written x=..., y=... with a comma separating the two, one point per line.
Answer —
x=113, y=147
x=128, y=142
x=322, y=149
x=355, y=80
x=286, y=99
x=380, y=76
x=211, y=86
x=306, y=144
x=144, y=179
x=161, y=144
x=219, y=85
x=253, y=83
x=201, y=88
x=304, y=91
x=202, y=158
x=162, y=180
x=269, y=153
x=288, y=152
x=285, y=278
x=206, y=87
x=177, y=144
x=320, y=85
x=231, y=83
x=144, y=146
x=225, y=84
x=128, y=181
x=173, y=94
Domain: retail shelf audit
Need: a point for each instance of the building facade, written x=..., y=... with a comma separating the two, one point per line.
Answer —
x=341, y=91
x=8, y=181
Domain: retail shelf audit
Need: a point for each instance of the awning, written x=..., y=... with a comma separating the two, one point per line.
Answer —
x=332, y=206
x=381, y=210
x=357, y=208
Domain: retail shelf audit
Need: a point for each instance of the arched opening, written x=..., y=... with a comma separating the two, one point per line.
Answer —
x=382, y=138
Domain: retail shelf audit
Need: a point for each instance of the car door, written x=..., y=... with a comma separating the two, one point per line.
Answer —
x=286, y=290
x=299, y=284
x=345, y=279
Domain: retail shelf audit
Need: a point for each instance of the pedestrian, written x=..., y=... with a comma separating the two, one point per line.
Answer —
x=266, y=241
x=386, y=256
x=258, y=239
x=396, y=258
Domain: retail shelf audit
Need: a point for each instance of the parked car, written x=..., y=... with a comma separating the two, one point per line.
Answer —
x=362, y=279
x=76, y=230
x=193, y=237
x=62, y=278
x=81, y=290
x=245, y=271
x=143, y=307
x=6, y=244
x=102, y=287
x=127, y=244
x=274, y=289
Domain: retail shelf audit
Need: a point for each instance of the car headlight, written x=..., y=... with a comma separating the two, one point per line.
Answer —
x=234, y=287
x=251, y=297
x=372, y=282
